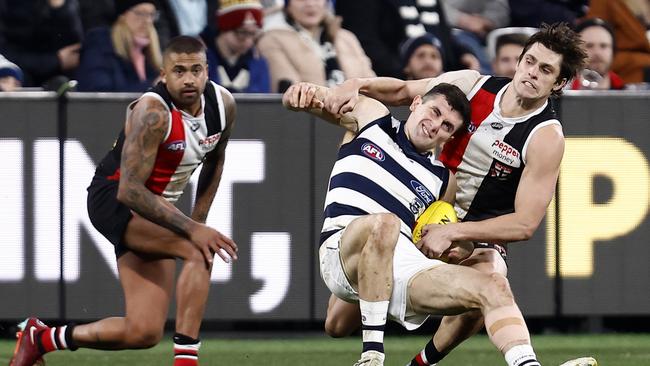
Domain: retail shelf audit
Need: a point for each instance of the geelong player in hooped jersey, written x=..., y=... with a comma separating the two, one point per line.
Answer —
x=180, y=123
x=384, y=177
x=506, y=163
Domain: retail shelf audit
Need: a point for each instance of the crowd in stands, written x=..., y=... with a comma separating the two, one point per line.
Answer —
x=262, y=46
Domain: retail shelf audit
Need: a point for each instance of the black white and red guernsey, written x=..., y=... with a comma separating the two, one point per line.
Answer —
x=187, y=142
x=490, y=156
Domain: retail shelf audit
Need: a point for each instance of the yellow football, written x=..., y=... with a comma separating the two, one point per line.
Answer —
x=442, y=213
x=439, y=212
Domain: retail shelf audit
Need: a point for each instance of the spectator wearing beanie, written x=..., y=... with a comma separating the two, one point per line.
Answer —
x=311, y=46
x=125, y=57
x=233, y=60
x=422, y=57
x=11, y=76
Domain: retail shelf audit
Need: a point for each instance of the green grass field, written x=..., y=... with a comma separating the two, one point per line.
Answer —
x=609, y=350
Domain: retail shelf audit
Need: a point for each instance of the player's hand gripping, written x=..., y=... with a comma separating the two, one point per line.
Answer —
x=436, y=243
x=209, y=241
x=302, y=96
x=342, y=98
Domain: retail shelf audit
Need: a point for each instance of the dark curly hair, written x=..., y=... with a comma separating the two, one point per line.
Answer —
x=561, y=39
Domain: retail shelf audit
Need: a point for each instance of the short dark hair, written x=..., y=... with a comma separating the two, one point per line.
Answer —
x=184, y=44
x=456, y=99
x=518, y=39
x=561, y=39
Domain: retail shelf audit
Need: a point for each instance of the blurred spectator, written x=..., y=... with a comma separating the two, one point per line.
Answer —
x=11, y=76
x=599, y=44
x=273, y=13
x=507, y=51
x=630, y=20
x=42, y=37
x=191, y=15
x=311, y=46
x=125, y=57
x=96, y=13
x=383, y=25
x=473, y=20
x=233, y=60
x=183, y=17
x=477, y=16
x=422, y=57
x=532, y=13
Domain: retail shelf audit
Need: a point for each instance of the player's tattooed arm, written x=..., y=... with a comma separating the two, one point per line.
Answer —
x=213, y=165
x=145, y=130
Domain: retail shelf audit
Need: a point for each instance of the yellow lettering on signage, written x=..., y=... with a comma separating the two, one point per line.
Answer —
x=583, y=221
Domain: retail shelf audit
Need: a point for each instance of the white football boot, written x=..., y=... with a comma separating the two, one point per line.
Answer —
x=582, y=361
x=371, y=358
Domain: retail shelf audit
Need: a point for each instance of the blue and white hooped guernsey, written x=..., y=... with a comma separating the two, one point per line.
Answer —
x=381, y=172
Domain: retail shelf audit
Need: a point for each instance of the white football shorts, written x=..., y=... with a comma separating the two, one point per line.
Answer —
x=407, y=262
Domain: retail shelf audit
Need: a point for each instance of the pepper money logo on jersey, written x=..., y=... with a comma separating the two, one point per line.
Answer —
x=506, y=154
x=209, y=142
x=372, y=151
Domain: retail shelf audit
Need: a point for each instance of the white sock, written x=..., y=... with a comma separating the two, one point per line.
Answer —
x=373, y=322
x=521, y=355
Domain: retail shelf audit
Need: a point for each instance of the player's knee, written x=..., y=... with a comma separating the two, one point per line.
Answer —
x=194, y=258
x=385, y=225
x=143, y=336
x=496, y=292
x=336, y=328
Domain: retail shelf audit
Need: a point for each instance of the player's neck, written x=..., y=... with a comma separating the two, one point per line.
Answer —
x=513, y=105
x=194, y=109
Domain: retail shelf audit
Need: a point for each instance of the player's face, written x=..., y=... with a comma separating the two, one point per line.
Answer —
x=431, y=123
x=505, y=62
x=537, y=73
x=307, y=13
x=185, y=75
x=426, y=62
x=598, y=44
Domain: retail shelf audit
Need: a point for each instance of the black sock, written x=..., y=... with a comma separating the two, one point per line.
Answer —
x=430, y=353
x=72, y=345
x=183, y=339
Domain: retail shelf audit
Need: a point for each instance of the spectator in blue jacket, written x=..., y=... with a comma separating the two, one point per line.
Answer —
x=233, y=59
x=125, y=57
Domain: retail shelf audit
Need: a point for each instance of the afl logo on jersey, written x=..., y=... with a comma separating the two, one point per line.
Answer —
x=423, y=192
x=372, y=151
x=178, y=145
x=496, y=125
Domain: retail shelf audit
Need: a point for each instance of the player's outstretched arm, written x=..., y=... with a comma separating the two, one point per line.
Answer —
x=535, y=192
x=393, y=91
x=145, y=130
x=309, y=97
